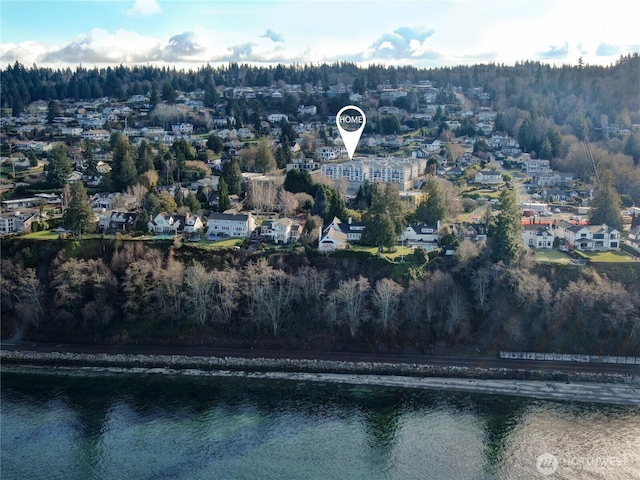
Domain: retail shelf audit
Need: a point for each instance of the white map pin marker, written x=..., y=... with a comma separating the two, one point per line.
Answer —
x=351, y=137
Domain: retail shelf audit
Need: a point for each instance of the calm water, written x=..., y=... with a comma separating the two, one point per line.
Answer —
x=154, y=427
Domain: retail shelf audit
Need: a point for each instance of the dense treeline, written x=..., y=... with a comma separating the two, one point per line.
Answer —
x=131, y=292
x=557, y=92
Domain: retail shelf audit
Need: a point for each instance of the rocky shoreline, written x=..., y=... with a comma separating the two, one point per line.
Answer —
x=577, y=386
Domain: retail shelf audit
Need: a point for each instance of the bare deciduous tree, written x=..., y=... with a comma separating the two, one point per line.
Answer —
x=198, y=285
x=225, y=293
x=349, y=302
x=312, y=283
x=386, y=298
x=269, y=293
x=261, y=195
x=287, y=201
x=30, y=295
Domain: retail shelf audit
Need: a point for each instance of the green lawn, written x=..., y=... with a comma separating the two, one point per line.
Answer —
x=608, y=257
x=220, y=244
x=552, y=256
x=43, y=235
x=396, y=255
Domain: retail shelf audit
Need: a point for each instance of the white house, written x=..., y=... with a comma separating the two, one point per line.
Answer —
x=333, y=239
x=233, y=225
x=307, y=110
x=535, y=166
x=283, y=230
x=277, y=117
x=192, y=224
x=352, y=230
x=16, y=222
x=422, y=233
x=182, y=129
x=164, y=223
x=588, y=237
x=537, y=237
x=96, y=135
x=490, y=177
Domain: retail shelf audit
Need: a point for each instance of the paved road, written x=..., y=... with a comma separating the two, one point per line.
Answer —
x=335, y=356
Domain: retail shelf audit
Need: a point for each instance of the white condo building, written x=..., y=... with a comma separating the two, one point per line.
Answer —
x=401, y=171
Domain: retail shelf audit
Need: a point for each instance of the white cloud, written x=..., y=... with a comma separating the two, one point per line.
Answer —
x=274, y=36
x=143, y=8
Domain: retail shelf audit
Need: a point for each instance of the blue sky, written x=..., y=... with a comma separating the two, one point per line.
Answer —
x=423, y=33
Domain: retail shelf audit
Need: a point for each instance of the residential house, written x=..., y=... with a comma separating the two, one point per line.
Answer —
x=17, y=222
x=182, y=129
x=476, y=232
x=277, y=117
x=536, y=236
x=554, y=179
x=633, y=238
x=420, y=234
x=352, y=230
x=233, y=225
x=164, y=223
x=489, y=177
x=283, y=230
x=536, y=166
x=193, y=224
x=99, y=135
x=122, y=221
x=332, y=239
x=588, y=237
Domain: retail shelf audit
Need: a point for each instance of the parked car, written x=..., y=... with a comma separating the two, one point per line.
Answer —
x=556, y=210
x=546, y=213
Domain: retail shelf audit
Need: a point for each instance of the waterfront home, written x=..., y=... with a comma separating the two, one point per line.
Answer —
x=588, y=237
x=164, y=223
x=233, y=225
x=536, y=236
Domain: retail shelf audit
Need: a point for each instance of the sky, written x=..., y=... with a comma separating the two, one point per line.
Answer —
x=422, y=33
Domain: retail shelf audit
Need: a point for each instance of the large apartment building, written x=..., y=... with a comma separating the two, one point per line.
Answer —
x=400, y=171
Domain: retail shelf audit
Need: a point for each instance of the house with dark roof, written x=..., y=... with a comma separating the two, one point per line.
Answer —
x=536, y=236
x=122, y=221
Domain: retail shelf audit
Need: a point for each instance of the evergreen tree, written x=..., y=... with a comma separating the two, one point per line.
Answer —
x=546, y=150
x=605, y=208
x=224, y=203
x=79, y=217
x=505, y=231
x=123, y=169
x=90, y=161
x=632, y=148
x=434, y=207
x=192, y=202
x=379, y=230
x=232, y=175
x=53, y=110
x=299, y=181
x=168, y=93
x=59, y=167
x=320, y=204
x=555, y=139
x=144, y=160
x=214, y=142
x=265, y=160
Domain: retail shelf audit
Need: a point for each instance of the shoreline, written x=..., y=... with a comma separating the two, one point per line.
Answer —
x=607, y=388
x=588, y=392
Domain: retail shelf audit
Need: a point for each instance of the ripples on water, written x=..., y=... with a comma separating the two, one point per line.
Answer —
x=142, y=427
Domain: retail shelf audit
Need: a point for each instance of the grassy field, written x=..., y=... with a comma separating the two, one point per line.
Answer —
x=608, y=257
x=44, y=235
x=220, y=244
x=396, y=255
x=552, y=256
